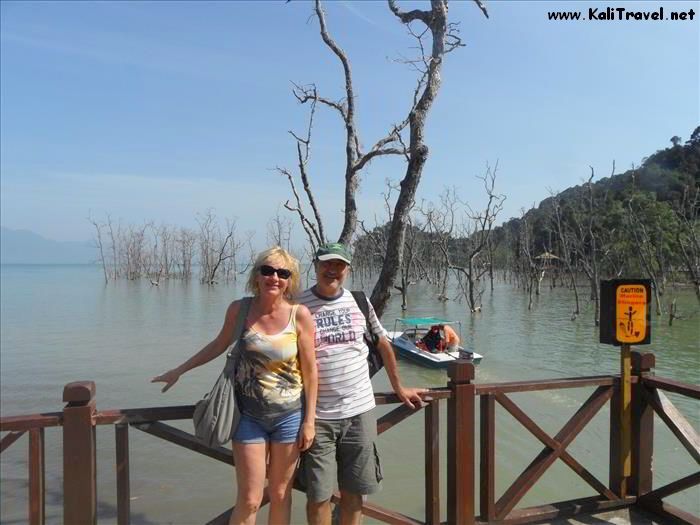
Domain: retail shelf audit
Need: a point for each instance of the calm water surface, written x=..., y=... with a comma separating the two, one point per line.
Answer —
x=62, y=324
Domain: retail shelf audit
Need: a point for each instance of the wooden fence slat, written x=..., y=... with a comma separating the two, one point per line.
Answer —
x=642, y=478
x=668, y=513
x=390, y=398
x=564, y=509
x=9, y=439
x=37, y=502
x=380, y=513
x=23, y=423
x=675, y=421
x=681, y=484
x=179, y=437
x=670, y=385
x=432, y=463
x=548, y=441
x=543, y=461
x=488, y=457
x=616, y=477
x=121, y=435
x=143, y=415
x=394, y=417
x=547, y=384
x=387, y=516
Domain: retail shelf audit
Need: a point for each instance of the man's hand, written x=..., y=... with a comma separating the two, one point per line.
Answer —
x=411, y=397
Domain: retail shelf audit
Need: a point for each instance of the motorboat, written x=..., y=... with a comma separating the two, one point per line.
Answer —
x=407, y=339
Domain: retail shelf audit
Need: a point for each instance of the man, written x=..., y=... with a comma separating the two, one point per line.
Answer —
x=346, y=429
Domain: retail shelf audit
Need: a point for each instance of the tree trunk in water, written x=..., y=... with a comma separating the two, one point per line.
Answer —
x=397, y=233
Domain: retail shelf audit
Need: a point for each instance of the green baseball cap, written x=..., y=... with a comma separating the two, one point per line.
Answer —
x=334, y=250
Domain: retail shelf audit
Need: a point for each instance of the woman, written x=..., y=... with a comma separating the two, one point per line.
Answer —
x=276, y=352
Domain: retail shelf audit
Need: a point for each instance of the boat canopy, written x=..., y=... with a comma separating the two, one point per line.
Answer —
x=424, y=321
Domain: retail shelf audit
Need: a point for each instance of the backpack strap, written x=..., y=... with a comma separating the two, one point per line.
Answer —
x=374, y=357
x=363, y=305
x=361, y=300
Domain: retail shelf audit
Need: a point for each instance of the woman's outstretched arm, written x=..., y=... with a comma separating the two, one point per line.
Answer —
x=212, y=350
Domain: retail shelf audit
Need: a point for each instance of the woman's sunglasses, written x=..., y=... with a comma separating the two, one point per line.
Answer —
x=282, y=273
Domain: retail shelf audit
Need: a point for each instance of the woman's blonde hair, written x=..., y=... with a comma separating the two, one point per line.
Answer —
x=290, y=263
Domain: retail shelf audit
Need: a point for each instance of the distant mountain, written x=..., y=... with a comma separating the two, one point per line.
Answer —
x=26, y=247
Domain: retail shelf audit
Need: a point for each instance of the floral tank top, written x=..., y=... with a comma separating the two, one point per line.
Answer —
x=268, y=378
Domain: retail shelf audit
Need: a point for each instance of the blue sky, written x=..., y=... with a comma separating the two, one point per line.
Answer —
x=158, y=111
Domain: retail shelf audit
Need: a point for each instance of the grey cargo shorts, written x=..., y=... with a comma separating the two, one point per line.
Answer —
x=343, y=450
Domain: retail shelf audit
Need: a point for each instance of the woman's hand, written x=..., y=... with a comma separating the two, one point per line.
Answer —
x=169, y=378
x=307, y=432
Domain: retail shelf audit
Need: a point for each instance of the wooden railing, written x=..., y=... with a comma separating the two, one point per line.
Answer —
x=649, y=399
x=80, y=418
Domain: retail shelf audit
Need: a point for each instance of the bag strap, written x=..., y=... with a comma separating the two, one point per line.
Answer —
x=361, y=300
x=239, y=325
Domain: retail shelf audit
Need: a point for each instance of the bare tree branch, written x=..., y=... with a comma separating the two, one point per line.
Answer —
x=409, y=16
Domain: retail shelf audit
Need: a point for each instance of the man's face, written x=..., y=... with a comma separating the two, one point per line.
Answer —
x=330, y=275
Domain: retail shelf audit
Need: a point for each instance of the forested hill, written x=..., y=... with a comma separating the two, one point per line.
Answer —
x=641, y=223
x=651, y=201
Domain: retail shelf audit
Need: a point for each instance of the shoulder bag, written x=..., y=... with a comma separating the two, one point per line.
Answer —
x=216, y=416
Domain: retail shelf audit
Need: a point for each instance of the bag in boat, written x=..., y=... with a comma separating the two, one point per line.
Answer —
x=216, y=416
x=374, y=358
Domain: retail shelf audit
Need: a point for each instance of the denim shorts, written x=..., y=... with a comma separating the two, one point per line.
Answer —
x=284, y=429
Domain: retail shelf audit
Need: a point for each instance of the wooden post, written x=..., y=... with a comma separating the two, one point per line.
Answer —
x=37, y=506
x=432, y=463
x=79, y=459
x=642, y=426
x=615, y=463
x=460, y=444
x=487, y=446
x=625, y=417
x=123, y=488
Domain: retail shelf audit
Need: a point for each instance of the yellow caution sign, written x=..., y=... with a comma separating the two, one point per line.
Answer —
x=631, y=313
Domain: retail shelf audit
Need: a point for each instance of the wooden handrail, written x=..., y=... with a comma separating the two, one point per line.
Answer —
x=80, y=418
x=547, y=384
x=678, y=387
x=29, y=421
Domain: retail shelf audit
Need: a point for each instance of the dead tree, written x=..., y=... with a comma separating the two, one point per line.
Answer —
x=586, y=240
x=648, y=252
x=440, y=221
x=564, y=237
x=687, y=235
x=528, y=267
x=185, y=243
x=212, y=246
x=444, y=39
x=113, y=239
x=279, y=231
x=99, y=245
x=478, y=233
x=467, y=255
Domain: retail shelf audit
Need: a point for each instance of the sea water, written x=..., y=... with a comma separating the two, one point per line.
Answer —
x=63, y=323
